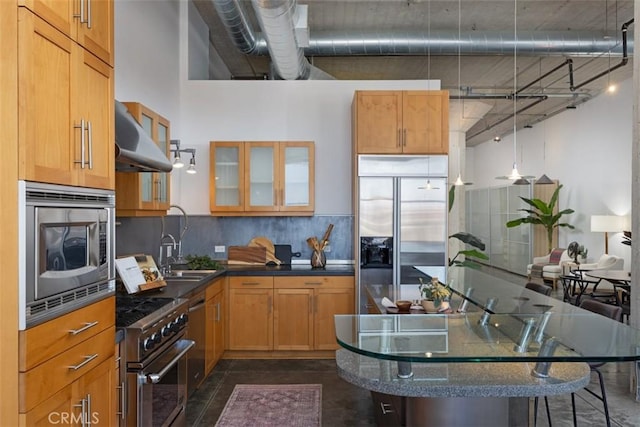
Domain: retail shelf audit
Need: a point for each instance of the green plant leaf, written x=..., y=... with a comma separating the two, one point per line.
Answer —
x=469, y=239
x=474, y=254
x=452, y=196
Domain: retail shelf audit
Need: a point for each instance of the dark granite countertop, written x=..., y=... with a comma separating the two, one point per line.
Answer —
x=177, y=288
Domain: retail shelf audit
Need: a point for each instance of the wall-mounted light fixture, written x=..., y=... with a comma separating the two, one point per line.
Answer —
x=177, y=160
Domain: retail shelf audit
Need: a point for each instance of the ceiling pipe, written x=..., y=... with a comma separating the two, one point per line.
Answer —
x=491, y=126
x=235, y=22
x=276, y=18
x=622, y=63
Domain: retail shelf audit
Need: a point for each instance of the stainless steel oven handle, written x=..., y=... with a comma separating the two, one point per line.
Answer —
x=198, y=306
x=155, y=378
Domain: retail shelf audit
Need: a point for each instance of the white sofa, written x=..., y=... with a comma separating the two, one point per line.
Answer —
x=606, y=262
x=552, y=272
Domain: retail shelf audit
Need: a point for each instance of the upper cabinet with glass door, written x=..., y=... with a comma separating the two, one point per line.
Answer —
x=145, y=193
x=262, y=178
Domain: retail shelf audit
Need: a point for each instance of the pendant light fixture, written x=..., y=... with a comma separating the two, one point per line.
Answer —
x=428, y=185
x=459, y=182
x=515, y=175
x=544, y=179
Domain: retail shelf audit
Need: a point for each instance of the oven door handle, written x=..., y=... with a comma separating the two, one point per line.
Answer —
x=155, y=378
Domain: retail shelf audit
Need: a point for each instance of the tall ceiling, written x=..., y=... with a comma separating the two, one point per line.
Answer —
x=566, y=51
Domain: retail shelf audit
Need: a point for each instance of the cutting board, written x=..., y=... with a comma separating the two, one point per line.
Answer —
x=253, y=255
x=264, y=242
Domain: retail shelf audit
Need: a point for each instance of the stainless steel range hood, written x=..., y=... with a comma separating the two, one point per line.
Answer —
x=135, y=150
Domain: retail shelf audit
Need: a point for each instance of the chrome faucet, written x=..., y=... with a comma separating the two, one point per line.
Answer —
x=165, y=265
x=184, y=230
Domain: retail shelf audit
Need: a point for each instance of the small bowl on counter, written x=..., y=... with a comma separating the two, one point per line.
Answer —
x=403, y=305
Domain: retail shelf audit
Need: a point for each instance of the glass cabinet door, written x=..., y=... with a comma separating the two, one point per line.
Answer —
x=297, y=163
x=227, y=180
x=162, y=178
x=261, y=174
x=147, y=178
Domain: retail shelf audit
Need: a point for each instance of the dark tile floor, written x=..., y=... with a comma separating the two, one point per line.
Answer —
x=346, y=405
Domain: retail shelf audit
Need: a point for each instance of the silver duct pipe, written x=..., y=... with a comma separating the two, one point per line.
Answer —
x=277, y=19
x=573, y=43
x=237, y=25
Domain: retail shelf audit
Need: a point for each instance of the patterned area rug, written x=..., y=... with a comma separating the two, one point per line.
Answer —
x=281, y=405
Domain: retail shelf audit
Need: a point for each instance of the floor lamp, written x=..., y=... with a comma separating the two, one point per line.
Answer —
x=606, y=224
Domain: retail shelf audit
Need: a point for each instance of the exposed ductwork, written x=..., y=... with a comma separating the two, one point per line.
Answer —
x=278, y=40
x=276, y=18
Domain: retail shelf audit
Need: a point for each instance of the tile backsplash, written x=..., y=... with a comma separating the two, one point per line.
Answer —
x=142, y=235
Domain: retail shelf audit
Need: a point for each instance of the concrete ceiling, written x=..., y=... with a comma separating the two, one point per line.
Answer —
x=464, y=66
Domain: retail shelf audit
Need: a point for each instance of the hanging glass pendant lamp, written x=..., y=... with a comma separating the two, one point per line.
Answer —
x=515, y=175
x=459, y=182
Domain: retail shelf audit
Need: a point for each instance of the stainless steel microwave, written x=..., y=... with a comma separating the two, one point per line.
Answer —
x=67, y=245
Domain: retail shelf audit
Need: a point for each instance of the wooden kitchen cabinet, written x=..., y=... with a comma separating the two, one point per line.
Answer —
x=401, y=122
x=65, y=112
x=251, y=178
x=302, y=316
x=66, y=406
x=215, y=328
x=88, y=22
x=145, y=193
x=83, y=339
x=304, y=310
x=250, y=313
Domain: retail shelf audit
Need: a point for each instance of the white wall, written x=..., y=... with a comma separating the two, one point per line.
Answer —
x=318, y=111
x=198, y=50
x=146, y=52
x=588, y=150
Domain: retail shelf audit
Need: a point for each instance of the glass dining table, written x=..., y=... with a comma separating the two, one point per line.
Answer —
x=484, y=363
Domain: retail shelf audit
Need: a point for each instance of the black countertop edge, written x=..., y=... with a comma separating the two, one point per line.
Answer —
x=290, y=270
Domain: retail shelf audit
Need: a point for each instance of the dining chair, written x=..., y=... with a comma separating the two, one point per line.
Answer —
x=544, y=290
x=539, y=287
x=613, y=312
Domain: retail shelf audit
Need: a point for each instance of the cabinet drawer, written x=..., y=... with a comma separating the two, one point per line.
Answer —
x=45, y=341
x=243, y=282
x=215, y=288
x=341, y=282
x=44, y=380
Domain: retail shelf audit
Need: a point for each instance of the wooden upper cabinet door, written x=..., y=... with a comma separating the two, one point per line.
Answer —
x=46, y=129
x=437, y=132
x=58, y=13
x=95, y=106
x=89, y=22
x=95, y=29
x=378, y=120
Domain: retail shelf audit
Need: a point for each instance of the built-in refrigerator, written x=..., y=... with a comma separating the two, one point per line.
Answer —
x=401, y=223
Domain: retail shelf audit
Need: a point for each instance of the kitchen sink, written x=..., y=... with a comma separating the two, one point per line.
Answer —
x=188, y=275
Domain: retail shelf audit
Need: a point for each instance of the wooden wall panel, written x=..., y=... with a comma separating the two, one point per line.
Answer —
x=9, y=213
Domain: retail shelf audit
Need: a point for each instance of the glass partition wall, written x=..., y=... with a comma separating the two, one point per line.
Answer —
x=488, y=210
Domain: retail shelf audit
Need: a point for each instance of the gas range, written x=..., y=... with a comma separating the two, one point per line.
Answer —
x=150, y=323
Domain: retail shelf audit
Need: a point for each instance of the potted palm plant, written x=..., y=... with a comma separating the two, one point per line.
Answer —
x=541, y=213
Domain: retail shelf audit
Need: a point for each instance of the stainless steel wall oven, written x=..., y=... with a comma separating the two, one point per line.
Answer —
x=67, y=246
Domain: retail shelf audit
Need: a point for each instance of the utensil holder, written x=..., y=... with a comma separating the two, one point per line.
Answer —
x=318, y=259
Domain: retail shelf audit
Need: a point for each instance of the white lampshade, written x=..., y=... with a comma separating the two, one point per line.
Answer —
x=609, y=223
